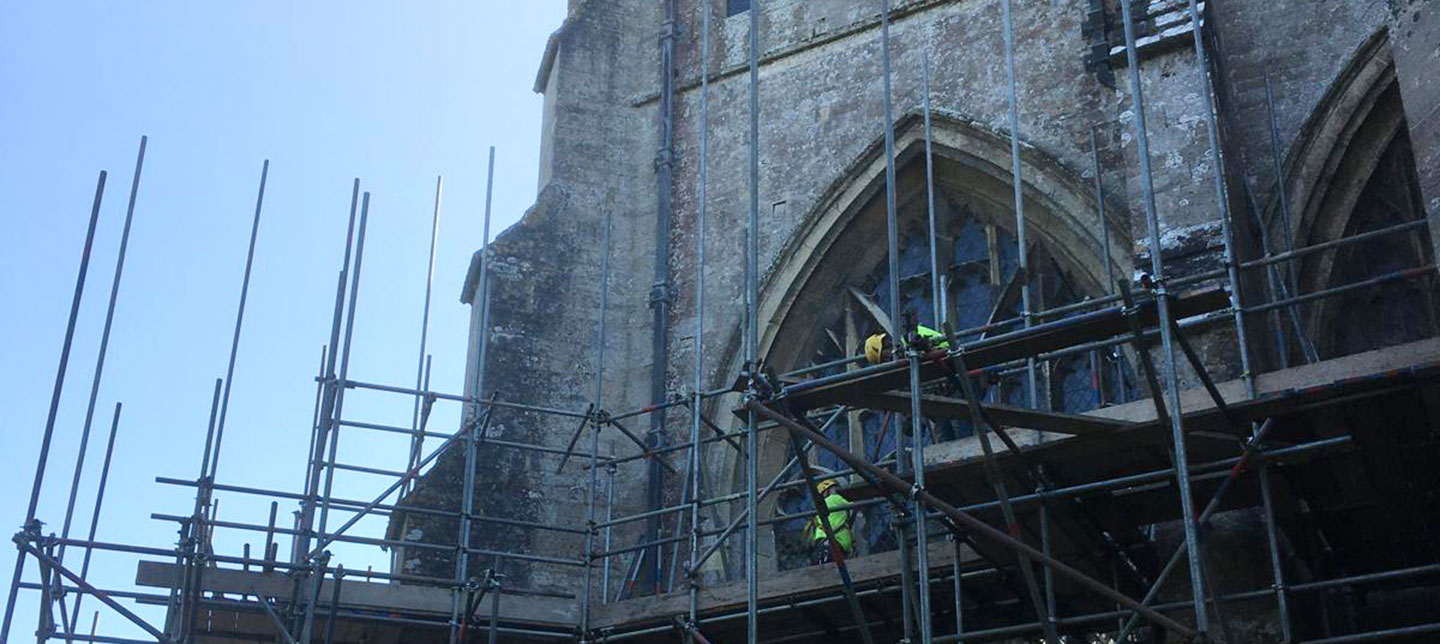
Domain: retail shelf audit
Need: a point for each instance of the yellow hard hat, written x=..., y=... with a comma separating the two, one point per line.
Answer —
x=825, y=485
x=874, y=347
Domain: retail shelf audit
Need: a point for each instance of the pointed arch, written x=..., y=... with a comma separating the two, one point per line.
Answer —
x=840, y=242
x=970, y=159
x=1351, y=153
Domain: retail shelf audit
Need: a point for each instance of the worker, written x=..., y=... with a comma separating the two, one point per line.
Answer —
x=840, y=516
x=878, y=347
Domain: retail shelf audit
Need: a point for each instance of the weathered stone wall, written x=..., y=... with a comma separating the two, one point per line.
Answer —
x=545, y=301
x=820, y=122
x=1415, y=38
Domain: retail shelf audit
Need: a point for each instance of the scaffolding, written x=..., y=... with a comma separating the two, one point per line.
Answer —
x=304, y=596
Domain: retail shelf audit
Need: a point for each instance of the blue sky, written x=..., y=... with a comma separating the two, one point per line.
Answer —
x=394, y=93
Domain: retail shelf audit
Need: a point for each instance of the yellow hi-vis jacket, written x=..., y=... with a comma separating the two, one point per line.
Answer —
x=839, y=522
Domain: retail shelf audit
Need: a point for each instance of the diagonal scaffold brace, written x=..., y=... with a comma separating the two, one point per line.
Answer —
x=997, y=480
x=837, y=555
x=979, y=529
x=23, y=541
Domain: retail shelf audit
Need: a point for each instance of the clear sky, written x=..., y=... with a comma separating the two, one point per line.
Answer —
x=394, y=93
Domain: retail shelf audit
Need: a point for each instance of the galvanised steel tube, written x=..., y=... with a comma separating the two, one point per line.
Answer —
x=898, y=335
x=470, y=431
x=315, y=415
x=1156, y=475
x=355, y=384
x=1277, y=572
x=1222, y=202
x=732, y=497
x=417, y=442
x=938, y=308
x=484, y=287
x=660, y=295
x=1409, y=273
x=1251, y=447
x=26, y=546
x=1380, y=635
x=973, y=526
x=326, y=420
x=1207, y=319
x=1065, y=621
x=653, y=408
x=415, y=471
x=1105, y=254
x=367, y=470
x=463, y=537
x=1162, y=302
x=1275, y=155
x=922, y=541
x=1343, y=241
x=339, y=406
x=99, y=501
x=437, y=581
x=49, y=432
x=488, y=440
x=382, y=510
x=589, y=553
x=1019, y=189
x=697, y=411
x=1290, y=282
x=981, y=423
x=752, y=333
x=769, y=487
x=644, y=545
x=104, y=346
x=1100, y=212
x=239, y=320
x=387, y=619
x=609, y=512
x=957, y=578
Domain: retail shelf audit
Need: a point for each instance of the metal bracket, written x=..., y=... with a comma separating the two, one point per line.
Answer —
x=661, y=292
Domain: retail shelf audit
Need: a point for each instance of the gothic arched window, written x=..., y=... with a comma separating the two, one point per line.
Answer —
x=982, y=281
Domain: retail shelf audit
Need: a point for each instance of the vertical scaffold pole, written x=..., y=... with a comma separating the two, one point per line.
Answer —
x=1271, y=531
x=1288, y=285
x=595, y=427
x=1096, y=361
x=939, y=310
x=922, y=541
x=897, y=334
x=1162, y=305
x=471, y=428
x=49, y=433
x=752, y=334
x=1032, y=386
x=1222, y=200
x=484, y=287
x=697, y=409
x=610, y=471
x=239, y=320
x=417, y=440
x=95, y=514
x=325, y=422
x=339, y=409
x=1100, y=212
x=104, y=346
x=661, y=297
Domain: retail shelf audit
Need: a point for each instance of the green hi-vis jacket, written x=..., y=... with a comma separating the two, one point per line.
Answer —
x=935, y=338
x=839, y=522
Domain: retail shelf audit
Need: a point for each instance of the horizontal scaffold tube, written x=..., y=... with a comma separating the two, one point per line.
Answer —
x=408, y=391
x=977, y=528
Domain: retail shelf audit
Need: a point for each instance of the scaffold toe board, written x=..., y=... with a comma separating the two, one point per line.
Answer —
x=847, y=387
x=937, y=406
